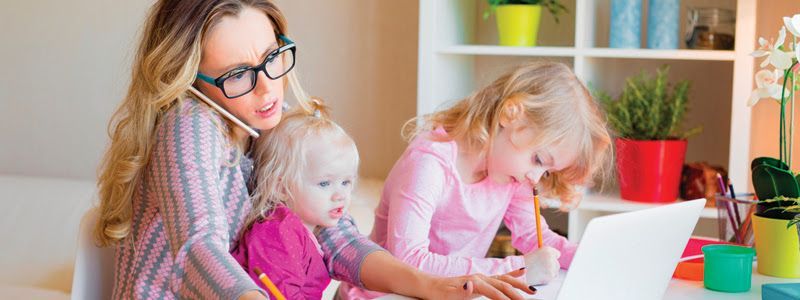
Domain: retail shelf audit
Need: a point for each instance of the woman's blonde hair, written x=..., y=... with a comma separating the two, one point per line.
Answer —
x=280, y=156
x=552, y=100
x=165, y=65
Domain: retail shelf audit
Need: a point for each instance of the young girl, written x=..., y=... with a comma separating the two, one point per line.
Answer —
x=475, y=164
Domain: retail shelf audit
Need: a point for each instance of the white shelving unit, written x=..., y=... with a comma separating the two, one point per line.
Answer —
x=458, y=54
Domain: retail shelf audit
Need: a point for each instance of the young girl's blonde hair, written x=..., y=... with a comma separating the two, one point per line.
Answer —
x=280, y=156
x=554, y=102
x=165, y=65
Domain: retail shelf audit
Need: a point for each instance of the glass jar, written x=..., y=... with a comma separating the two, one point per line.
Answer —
x=710, y=28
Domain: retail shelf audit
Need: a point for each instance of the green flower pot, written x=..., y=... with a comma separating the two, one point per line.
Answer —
x=518, y=24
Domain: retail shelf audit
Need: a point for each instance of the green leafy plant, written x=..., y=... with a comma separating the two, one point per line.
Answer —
x=553, y=6
x=646, y=110
x=790, y=205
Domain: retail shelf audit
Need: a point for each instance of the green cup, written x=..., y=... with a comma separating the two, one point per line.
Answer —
x=728, y=268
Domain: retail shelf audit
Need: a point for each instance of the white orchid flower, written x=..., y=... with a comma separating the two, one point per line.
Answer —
x=768, y=85
x=775, y=56
x=793, y=24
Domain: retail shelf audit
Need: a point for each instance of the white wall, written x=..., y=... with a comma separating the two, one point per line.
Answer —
x=65, y=66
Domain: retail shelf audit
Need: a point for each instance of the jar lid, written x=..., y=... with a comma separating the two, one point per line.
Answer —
x=711, y=15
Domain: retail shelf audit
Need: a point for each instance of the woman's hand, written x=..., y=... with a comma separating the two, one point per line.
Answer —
x=471, y=286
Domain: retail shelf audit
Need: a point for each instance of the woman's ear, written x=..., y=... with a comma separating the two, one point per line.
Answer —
x=512, y=111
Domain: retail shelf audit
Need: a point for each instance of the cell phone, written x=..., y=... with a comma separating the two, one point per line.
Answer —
x=224, y=112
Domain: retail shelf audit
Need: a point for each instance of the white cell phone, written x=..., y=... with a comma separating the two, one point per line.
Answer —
x=224, y=112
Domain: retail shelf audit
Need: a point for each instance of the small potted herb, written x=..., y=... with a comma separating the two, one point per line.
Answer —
x=650, y=144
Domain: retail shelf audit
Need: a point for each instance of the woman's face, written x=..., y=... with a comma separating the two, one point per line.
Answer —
x=238, y=41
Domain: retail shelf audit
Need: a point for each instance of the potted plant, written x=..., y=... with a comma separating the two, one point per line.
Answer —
x=777, y=243
x=773, y=178
x=650, y=144
x=518, y=20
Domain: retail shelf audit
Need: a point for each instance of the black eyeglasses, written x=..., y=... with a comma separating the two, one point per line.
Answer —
x=240, y=81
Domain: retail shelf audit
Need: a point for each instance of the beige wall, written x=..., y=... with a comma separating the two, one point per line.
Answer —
x=765, y=125
x=66, y=66
x=361, y=57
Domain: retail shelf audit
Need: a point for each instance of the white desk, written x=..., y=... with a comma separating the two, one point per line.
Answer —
x=677, y=289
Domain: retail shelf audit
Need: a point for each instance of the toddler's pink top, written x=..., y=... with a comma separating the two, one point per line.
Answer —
x=287, y=252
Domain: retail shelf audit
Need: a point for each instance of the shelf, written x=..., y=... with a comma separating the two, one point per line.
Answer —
x=612, y=203
x=681, y=54
x=509, y=51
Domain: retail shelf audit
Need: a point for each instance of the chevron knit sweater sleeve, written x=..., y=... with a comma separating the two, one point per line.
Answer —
x=188, y=210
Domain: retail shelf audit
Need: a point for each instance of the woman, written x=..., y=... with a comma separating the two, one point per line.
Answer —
x=172, y=184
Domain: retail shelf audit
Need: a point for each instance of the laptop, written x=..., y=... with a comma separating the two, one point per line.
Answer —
x=630, y=255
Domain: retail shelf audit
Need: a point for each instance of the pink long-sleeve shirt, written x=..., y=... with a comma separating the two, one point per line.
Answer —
x=432, y=220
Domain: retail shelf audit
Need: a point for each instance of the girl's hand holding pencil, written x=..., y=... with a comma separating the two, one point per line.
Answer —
x=542, y=265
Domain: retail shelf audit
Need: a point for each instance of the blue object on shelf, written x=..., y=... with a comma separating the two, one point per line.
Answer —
x=662, y=24
x=780, y=291
x=626, y=24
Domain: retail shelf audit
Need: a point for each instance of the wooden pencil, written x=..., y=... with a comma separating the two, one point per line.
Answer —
x=538, y=214
x=268, y=283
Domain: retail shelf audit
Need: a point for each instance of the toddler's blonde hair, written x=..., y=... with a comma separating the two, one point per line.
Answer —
x=280, y=154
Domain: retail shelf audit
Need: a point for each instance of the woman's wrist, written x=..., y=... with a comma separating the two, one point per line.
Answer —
x=419, y=285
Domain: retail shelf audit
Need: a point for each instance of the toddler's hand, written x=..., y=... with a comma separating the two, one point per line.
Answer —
x=542, y=265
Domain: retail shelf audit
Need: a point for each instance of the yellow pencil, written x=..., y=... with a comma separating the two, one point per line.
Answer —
x=271, y=286
x=538, y=217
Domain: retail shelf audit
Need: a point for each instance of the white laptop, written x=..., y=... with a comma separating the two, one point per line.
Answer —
x=630, y=255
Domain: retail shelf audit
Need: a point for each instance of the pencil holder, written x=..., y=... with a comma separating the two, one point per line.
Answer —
x=734, y=218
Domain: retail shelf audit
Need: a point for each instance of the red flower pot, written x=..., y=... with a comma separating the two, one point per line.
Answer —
x=650, y=171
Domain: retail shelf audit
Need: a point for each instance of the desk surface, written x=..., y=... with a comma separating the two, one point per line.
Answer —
x=677, y=289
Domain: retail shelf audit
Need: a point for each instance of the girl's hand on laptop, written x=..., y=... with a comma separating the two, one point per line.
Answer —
x=542, y=265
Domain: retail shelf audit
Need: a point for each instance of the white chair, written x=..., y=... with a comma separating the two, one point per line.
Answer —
x=93, y=277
